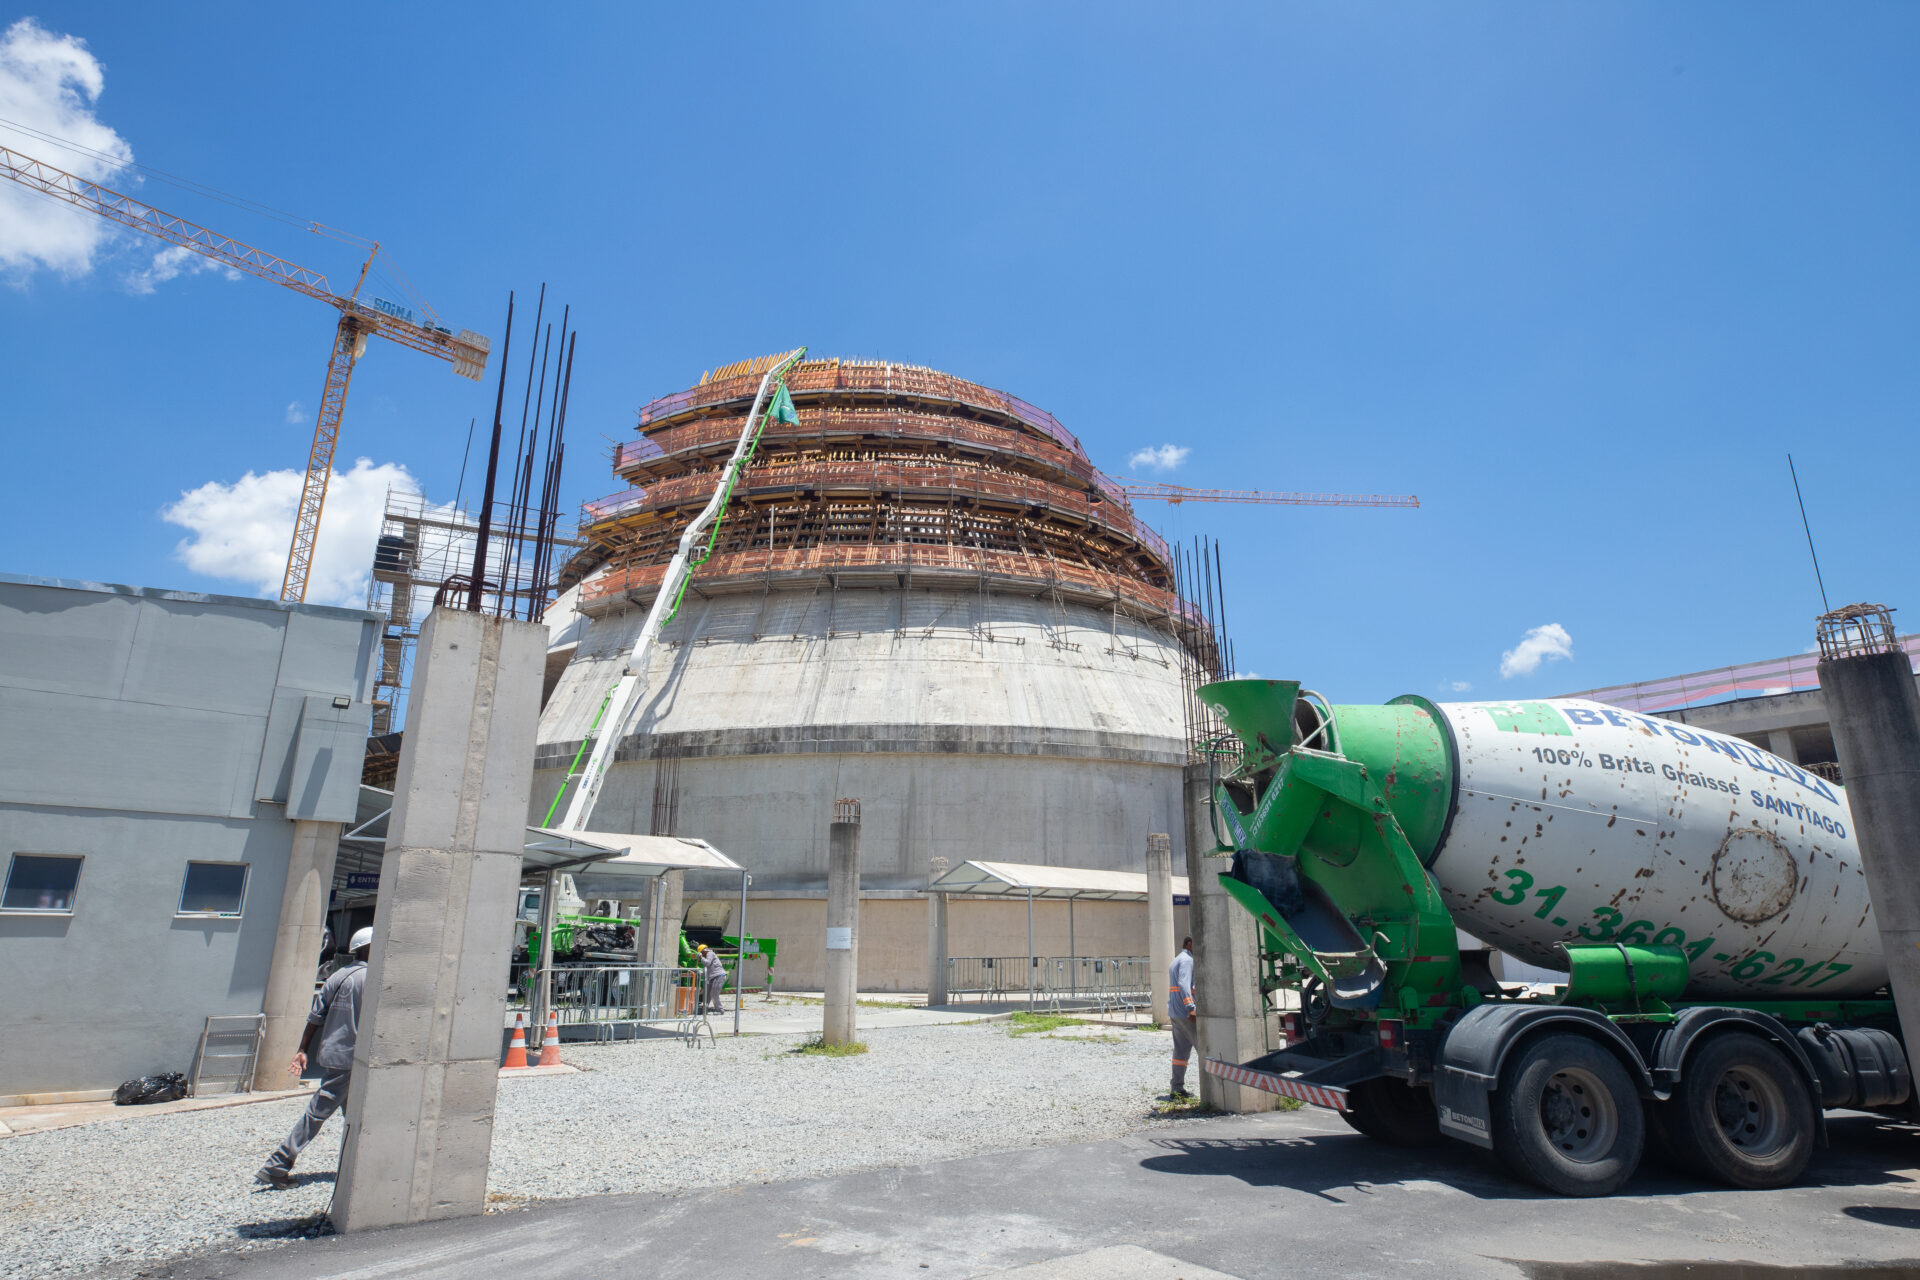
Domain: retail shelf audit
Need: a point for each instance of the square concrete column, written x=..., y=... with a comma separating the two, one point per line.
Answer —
x=1226, y=963
x=425, y=1067
x=1159, y=919
x=669, y=905
x=843, y=925
x=296, y=949
x=1780, y=742
x=936, y=936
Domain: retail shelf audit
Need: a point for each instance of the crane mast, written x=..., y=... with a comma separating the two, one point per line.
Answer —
x=466, y=351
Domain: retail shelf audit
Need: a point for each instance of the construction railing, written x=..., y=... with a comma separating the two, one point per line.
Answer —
x=595, y=510
x=929, y=481
x=609, y=996
x=883, y=377
x=905, y=556
x=1748, y=680
x=1114, y=983
x=829, y=425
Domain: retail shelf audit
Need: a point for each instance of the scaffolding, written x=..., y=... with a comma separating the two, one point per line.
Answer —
x=422, y=545
x=892, y=474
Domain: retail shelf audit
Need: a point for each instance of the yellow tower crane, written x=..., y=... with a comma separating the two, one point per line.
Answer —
x=466, y=350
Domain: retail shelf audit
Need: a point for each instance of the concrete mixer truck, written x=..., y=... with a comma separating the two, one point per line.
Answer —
x=1725, y=983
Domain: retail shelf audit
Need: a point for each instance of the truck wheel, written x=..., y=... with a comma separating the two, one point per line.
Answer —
x=1742, y=1115
x=1394, y=1112
x=1567, y=1117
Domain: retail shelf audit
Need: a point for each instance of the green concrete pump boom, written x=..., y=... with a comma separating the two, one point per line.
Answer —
x=623, y=700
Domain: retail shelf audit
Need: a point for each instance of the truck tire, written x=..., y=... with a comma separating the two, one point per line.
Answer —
x=1743, y=1114
x=1567, y=1117
x=1394, y=1112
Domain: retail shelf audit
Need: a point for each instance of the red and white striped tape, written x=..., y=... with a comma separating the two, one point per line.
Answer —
x=1319, y=1095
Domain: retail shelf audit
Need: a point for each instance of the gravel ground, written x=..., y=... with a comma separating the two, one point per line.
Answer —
x=651, y=1116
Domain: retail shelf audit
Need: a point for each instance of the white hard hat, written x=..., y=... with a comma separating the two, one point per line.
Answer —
x=362, y=938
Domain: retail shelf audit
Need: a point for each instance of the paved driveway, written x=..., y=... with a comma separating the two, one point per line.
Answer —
x=1293, y=1195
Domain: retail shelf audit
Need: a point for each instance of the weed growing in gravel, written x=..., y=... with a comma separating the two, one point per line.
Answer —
x=1026, y=1024
x=820, y=1049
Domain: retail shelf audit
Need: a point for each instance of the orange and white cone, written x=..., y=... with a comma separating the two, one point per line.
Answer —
x=550, y=1042
x=517, y=1050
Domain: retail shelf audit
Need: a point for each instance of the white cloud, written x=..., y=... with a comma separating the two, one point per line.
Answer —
x=296, y=415
x=51, y=82
x=174, y=260
x=1540, y=644
x=1164, y=458
x=1247, y=675
x=1460, y=686
x=241, y=531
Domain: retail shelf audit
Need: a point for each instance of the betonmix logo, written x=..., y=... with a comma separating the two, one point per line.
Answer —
x=1464, y=1121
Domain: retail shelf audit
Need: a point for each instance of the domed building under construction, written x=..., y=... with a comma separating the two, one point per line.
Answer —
x=923, y=596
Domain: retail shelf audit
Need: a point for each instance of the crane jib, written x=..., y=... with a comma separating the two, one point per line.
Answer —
x=466, y=351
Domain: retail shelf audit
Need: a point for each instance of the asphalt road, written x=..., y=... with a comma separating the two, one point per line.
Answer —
x=1292, y=1194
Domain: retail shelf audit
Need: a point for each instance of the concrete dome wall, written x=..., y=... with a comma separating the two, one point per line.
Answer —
x=970, y=725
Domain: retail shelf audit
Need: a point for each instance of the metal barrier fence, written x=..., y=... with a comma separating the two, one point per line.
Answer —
x=609, y=996
x=1119, y=983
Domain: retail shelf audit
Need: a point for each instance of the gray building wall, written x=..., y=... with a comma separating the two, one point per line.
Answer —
x=144, y=729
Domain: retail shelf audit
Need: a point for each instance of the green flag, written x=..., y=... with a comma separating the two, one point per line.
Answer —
x=781, y=410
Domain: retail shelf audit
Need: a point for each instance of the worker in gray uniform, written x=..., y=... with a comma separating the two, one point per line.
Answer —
x=335, y=1022
x=714, y=972
x=1181, y=1014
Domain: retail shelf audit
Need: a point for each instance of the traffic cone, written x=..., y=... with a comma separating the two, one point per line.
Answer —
x=550, y=1042
x=517, y=1050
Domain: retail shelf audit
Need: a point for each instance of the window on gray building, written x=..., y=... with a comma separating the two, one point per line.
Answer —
x=213, y=889
x=41, y=882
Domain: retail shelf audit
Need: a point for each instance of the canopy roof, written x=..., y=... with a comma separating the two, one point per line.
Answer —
x=611, y=853
x=548, y=849
x=1024, y=879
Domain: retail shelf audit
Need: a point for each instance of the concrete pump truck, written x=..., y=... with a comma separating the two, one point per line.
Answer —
x=1725, y=982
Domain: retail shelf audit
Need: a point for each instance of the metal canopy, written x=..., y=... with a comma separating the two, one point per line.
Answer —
x=1025, y=879
x=545, y=849
x=611, y=853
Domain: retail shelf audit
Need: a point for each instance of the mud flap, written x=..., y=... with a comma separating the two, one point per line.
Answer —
x=1464, y=1100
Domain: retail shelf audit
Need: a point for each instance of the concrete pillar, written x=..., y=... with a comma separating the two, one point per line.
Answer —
x=1780, y=742
x=296, y=949
x=843, y=923
x=936, y=936
x=1226, y=963
x=669, y=904
x=1160, y=940
x=427, y=1061
x=1875, y=713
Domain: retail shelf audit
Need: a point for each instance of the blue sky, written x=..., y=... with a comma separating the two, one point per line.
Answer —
x=1578, y=276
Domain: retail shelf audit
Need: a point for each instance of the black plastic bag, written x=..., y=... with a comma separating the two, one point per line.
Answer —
x=164, y=1087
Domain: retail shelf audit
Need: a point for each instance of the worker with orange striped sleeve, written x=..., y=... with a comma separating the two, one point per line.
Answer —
x=1181, y=1013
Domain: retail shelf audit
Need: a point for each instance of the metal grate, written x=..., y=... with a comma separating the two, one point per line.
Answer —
x=846, y=811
